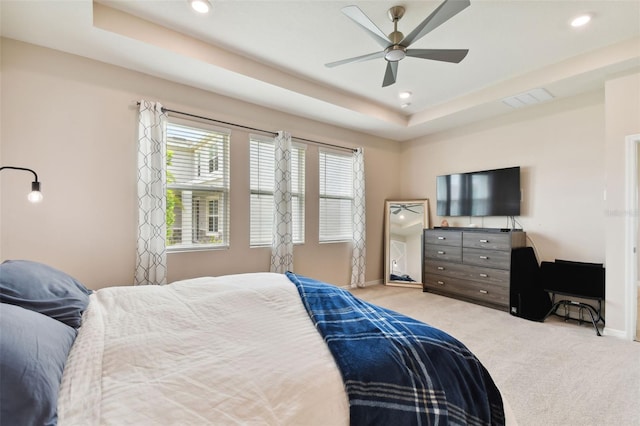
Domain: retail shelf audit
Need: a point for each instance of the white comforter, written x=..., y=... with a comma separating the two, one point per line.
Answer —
x=238, y=349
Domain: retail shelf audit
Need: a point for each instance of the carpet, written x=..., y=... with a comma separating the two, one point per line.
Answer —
x=552, y=373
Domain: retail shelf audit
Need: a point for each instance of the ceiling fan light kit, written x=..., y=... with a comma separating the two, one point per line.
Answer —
x=395, y=53
x=396, y=45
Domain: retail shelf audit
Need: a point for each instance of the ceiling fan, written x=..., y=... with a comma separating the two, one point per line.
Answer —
x=396, y=45
x=408, y=207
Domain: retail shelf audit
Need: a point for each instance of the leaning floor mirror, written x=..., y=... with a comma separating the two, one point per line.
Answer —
x=404, y=223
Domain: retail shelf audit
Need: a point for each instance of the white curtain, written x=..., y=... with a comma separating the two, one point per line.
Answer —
x=282, y=243
x=358, y=260
x=151, y=257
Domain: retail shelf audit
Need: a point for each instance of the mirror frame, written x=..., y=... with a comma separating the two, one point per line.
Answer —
x=387, y=234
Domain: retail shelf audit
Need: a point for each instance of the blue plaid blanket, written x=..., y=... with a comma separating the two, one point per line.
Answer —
x=397, y=370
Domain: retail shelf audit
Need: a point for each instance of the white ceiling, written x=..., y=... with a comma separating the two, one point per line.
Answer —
x=272, y=53
x=406, y=219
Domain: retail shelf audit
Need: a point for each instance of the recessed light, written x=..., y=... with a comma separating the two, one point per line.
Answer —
x=405, y=105
x=200, y=6
x=404, y=95
x=581, y=20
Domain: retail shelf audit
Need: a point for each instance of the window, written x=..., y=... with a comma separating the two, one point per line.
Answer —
x=336, y=196
x=262, y=179
x=214, y=216
x=197, y=186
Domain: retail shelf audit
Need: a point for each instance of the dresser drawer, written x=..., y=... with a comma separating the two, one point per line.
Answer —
x=483, y=292
x=487, y=240
x=487, y=258
x=493, y=276
x=447, y=238
x=473, y=273
x=438, y=267
x=446, y=253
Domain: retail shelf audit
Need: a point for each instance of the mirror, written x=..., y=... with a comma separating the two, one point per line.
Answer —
x=404, y=223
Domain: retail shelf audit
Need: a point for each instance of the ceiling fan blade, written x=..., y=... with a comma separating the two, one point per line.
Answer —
x=356, y=59
x=356, y=15
x=447, y=10
x=390, y=74
x=445, y=55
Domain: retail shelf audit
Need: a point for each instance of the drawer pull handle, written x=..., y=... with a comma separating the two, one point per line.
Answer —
x=484, y=275
x=442, y=238
x=440, y=252
x=440, y=282
x=484, y=292
x=484, y=241
x=484, y=257
x=440, y=268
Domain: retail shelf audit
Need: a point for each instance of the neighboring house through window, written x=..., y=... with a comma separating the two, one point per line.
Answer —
x=262, y=170
x=336, y=196
x=197, y=186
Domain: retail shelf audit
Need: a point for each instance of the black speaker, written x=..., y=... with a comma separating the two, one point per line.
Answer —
x=526, y=298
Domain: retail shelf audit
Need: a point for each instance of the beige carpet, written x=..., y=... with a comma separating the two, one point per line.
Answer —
x=552, y=373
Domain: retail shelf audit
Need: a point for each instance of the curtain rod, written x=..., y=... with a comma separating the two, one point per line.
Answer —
x=252, y=128
x=216, y=121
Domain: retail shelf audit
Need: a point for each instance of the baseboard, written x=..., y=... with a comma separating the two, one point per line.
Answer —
x=621, y=334
x=366, y=284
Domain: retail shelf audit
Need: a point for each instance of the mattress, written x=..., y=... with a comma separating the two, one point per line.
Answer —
x=229, y=350
x=237, y=349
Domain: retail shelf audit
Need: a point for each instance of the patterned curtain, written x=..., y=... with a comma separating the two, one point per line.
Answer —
x=282, y=243
x=358, y=260
x=151, y=261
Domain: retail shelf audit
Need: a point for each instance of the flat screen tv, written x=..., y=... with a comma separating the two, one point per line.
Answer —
x=483, y=193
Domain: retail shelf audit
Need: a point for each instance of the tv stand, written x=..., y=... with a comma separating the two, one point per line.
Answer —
x=472, y=264
x=573, y=280
x=594, y=313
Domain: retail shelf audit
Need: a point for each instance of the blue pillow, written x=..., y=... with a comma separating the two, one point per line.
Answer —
x=33, y=352
x=43, y=289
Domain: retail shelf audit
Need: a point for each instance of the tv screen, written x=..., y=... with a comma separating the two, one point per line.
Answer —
x=484, y=193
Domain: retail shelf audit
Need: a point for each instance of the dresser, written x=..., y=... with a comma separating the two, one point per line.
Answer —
x=472, y=264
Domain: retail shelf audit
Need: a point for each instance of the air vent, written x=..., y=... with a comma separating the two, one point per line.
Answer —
x=534, y=96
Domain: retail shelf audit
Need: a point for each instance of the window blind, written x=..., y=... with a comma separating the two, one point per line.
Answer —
x=336, y=196
x=197, y=186
x=262, y=170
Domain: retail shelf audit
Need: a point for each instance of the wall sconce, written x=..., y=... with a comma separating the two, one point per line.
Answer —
x=35, y=196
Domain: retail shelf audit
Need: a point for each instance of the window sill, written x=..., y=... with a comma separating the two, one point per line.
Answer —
x=269, y=245
x=186, y=249
x=335, y=241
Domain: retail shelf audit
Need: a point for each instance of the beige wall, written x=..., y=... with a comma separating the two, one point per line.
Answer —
x=559, y=147
x=572, y=153
x=74, y=121
x=622, y=119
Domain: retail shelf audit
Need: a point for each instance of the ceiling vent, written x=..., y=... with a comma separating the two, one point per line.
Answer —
x=534, y=96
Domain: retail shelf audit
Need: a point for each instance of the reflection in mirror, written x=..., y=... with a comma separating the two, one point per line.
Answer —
x=405, y=221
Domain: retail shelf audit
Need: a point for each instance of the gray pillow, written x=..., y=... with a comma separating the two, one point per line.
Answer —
x=33, y=352
x=43, y=289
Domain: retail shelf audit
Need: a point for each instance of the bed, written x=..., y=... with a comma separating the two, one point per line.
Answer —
x=259, y=348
